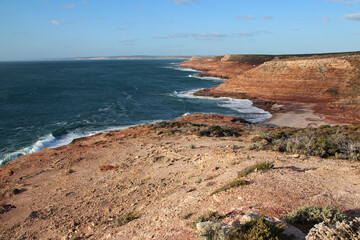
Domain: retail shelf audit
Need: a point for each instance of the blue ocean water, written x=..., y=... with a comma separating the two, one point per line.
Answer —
x=48, y=104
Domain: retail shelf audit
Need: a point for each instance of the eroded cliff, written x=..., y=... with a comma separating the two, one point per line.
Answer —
x=332, y=81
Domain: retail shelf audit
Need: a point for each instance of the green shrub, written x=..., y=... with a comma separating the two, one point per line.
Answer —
x=259, y=229
x=209, y=216
x=233, y=184
x=325, y=141
x=332, y=91
x=218, y=131
x=314, y=215
x=260, y=166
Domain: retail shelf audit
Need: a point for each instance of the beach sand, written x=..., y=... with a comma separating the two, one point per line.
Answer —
x=295, y=115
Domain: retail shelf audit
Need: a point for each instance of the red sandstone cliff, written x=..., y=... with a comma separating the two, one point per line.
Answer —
x=332, y=81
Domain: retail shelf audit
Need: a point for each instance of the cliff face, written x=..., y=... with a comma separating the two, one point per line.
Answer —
x=215, y=67
x=331, y=81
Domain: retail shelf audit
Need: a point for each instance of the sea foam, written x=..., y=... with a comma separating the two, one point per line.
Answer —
x=242, y=106
x=207, y=78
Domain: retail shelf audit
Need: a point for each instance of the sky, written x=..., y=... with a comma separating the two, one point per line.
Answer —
x=50, y=29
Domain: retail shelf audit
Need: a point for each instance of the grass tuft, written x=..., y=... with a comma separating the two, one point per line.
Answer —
x=233, y=184
x=261, y=166
x=126, y=218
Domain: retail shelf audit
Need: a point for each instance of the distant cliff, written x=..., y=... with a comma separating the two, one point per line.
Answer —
x=332, y=81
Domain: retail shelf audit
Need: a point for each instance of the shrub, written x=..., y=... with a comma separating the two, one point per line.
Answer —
x=345, y=230
x=209, y=216
x=218, y=131
x=332, y=91
x=259, y=228
x=314, y=215
x=261, y=166
x=233, y=184
x=325, y=141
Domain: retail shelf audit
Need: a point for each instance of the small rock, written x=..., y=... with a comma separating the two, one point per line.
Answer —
x=108, y=168
x=296, y=156
x=215, y=169
x=235, y=224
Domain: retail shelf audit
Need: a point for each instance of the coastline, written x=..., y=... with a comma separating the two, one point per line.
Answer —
x=166, y=173
x=284, y=114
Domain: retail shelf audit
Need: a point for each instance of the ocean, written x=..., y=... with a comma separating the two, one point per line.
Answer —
x=48, y=104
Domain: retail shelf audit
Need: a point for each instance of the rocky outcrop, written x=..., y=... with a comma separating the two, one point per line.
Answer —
x=214, y=66
x=331, y=81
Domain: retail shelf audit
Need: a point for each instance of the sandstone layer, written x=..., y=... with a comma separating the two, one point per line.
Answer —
x=166, y=175
x=331, y=81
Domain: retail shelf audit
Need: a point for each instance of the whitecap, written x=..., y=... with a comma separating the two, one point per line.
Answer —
x=184, y=69
x=244, y=107
x=207, y=78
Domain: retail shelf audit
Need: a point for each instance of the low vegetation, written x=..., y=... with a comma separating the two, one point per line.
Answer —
x=233, y=184
x=261, y=166
x=259, y=228
x=345, y=230
x=126, y=218
x=239, y=181
x=209, y=216
x=218, y=131
x=342, y=142
x=314, y=215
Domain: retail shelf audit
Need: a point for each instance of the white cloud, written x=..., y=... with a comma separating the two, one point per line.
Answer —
x=55, y=23
x=266, y=17
x=128, y=41
x=352, y=16
x=246, y=17
x=343, y=1
x=211, y=36
x=250, y=34
x=68, y=6
x=58, y=23
x=184, y=2
x=198, y=36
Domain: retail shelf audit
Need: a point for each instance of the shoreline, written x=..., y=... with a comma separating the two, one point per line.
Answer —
x=298, y=115
x=284, y=114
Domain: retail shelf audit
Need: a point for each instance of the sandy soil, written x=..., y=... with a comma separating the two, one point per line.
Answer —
x=166, y=176
x=295, y=115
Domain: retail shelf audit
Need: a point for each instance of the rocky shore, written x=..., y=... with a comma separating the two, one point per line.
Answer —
x=328, y=82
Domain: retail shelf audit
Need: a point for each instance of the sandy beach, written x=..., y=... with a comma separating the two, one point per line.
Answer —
x=298, y=115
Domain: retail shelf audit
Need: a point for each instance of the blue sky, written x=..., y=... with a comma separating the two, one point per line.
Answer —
x=39, y=29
